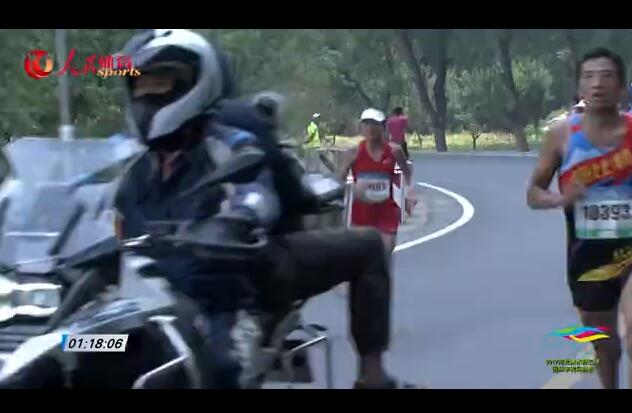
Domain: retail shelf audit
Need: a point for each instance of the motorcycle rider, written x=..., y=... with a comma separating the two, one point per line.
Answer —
x=169, y=107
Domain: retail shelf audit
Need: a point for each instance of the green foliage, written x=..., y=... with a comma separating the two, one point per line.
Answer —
x=335, y=72
x=533, y=81
x=476, y=100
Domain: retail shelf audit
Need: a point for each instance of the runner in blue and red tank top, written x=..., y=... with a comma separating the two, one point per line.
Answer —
x=592, y=154
x=372, y=164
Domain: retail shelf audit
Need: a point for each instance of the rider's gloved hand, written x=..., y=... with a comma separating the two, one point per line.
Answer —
x=239, y=224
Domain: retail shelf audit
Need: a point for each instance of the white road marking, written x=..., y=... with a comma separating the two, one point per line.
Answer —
x=466, y=216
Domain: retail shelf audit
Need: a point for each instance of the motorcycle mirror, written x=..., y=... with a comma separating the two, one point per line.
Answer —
x=242, y=167
x=324, y=188
x=136, y=242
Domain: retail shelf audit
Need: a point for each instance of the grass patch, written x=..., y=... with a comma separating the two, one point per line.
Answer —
x=457, y=142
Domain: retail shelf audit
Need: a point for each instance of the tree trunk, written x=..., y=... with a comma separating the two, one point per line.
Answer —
x=571, y=39
x=386, y=101
x=515, y=114
x=390, y=64
x=357, y=86
x=440, y=142
x=521, y=139
x=475, y=137
x=419, y=78
x=437, y=114
x=505, y=37
x=441, y=100
x=573, y=46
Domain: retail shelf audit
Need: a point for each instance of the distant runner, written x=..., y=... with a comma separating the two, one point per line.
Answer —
x=397, y=125
x=372, y=164
x=592, y=155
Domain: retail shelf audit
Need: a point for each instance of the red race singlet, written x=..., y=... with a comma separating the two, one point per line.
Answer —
x=384, y=213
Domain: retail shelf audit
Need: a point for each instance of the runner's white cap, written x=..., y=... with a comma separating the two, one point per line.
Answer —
x=581, y=104
x=373, y=114
x=316, y=115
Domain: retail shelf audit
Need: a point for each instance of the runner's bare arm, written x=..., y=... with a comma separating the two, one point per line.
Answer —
x=539, y=195
x=400, y=157
x=348, y=157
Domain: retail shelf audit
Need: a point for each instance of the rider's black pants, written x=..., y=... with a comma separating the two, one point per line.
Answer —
x=297, y=266
x=313, y=262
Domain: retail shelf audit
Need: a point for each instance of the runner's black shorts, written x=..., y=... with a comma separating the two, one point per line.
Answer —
x=587, y=255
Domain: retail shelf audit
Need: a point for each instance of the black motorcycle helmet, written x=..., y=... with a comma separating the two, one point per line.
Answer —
x=181, y=76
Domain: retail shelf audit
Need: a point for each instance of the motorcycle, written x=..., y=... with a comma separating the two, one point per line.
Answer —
x=58, y=255
x=64, y=272
x=51, y=224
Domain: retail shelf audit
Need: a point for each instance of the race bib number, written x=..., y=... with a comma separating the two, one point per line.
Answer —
x=378, y=190
x=603, y=219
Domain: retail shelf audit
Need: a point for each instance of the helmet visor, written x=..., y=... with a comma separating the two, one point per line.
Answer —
x=160, y=79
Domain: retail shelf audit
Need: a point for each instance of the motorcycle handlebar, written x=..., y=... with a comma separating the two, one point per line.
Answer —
x=216, y=235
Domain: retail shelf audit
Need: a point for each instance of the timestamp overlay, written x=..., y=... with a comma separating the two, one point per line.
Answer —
x=90, y=343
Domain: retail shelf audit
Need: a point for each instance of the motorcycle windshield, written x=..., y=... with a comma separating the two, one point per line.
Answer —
x=57, y=201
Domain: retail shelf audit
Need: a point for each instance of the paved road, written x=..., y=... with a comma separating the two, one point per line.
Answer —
x=473, y=308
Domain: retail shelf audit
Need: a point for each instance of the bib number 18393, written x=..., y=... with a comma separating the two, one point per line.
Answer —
x=603, y=219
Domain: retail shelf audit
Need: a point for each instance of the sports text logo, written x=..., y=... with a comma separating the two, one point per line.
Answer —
x=38, y=64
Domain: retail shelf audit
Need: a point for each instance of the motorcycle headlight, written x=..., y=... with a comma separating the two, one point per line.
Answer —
x=29, y=299
x=29, y=351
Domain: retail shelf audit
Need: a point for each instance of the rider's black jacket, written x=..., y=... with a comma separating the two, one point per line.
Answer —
x=144, y=198
x=243, y=114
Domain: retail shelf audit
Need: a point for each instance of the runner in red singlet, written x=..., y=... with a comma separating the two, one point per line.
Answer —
x=372, y=164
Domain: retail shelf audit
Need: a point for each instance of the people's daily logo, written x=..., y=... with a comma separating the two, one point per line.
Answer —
x=33, y=64
x=38, y=64
x=583, y=334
